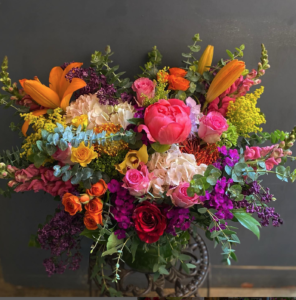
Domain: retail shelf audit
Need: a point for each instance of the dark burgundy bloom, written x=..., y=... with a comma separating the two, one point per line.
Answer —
x=149, y=221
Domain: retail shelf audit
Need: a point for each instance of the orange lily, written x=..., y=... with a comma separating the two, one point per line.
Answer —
x=206, y=60
x=224, y=79
x=58, y=94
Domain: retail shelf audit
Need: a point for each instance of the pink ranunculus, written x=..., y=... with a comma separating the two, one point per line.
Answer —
x=145, y=88
x=266, y=150
x=211, y=127
x=64, y=156
x=252, y=153
x=167, y=122
x=270, y=163
x=138, y=181
x=26, y=174
x=180, y=198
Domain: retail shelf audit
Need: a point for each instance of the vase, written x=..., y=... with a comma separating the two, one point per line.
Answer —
x=145, y=260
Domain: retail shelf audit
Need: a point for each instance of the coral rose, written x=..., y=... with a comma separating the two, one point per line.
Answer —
x=167, y=122
x=177, y=72
x=83, y=154
x=150, y=223
x=71, y=203
x=180, y=198
x=91, y=221
x=98, y=189
x=145, y=89
x=211, y=127
x=95, y=206
x=178, y=83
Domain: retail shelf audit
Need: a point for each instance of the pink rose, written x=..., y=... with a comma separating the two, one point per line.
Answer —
x=145, y=88
x=211, y=127
x=137, y=181
x=180, y=198
x=270, y=162
x=26, y=174
x=167, y=122
x=266, y=150
x=64, y=156
x=252, y=153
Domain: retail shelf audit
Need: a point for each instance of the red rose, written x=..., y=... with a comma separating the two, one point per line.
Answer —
x=150, y=223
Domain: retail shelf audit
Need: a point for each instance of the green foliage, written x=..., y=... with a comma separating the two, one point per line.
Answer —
x=12, y=157
x=150, y=69
x=238, y=53
x=194, y=48
x=100, y=62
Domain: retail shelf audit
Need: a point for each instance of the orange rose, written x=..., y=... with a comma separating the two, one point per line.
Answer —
x=177, y=72
x=95, y=206
x=71, y=203
x=98, y=189
x=91, y=221
x=84, y=198
x=178, y=83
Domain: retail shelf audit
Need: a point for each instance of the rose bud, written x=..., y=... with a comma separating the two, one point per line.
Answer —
x=84, y=198
x=12, y=183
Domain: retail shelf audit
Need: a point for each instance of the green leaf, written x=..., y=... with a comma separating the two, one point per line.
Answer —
x=248, y=222
x=202, y=210
x=110, y=252
x=229, y=53
x=160, y=148
x=136, y=121
x=163, y=270
x=191, y=266
x=113, y=241
x=134, y=248
x=185, y=268
x=195, y=48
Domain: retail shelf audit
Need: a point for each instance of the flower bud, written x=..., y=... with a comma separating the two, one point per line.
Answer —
x=4, y=173
x=273, y=199
x=262, y=72
x=12, y=183
x=11, y=169
x=259, y=65
x=282, y=144
x=84, y=198
x=290, y=144
x=267, y=66
x=2, y=165
x=10, y=89
x=292, y=136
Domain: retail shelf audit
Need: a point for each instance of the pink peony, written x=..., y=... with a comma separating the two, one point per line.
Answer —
x=145, y=88
x=270, y=163
x=167, y=122
x=252, y=153
x=26, y=174
x=180, y=198
x=64, y=156
x=138, y=181
x=211, y=127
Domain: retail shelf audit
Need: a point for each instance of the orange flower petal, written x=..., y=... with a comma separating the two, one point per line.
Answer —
x=55, y=76
x=224, y=79
x=75, y=85
x=64, y=83
x=26, y=124
x=22, y=81
x=206, y=60
x=42, y=94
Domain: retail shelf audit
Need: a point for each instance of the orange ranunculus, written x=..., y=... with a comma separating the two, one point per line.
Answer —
x=224, y=79
x=98, y=189
x=178, y=83
x=59, y=92
x=206, y=60
x=84, y=198
x=91, y=221
x=177, y=72
x=71, y=203
x=95, y=206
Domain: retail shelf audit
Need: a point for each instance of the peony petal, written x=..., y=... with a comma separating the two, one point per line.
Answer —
x=64, y=83
x=75, y=85
x=55, y=76
x=169, y=134
x=42, y=94
x=26, y=124
x=146, y=129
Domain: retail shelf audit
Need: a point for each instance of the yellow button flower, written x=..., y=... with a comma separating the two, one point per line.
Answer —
x=83, y=154
x=133, y=159
x=80, y=120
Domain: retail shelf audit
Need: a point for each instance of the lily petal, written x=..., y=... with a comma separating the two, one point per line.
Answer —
x=64, y=83
x=75, y=85
x=22, y=81
x=206, y=60
x=26, y=124
x=143, y=154
x=55, y=76
x=42, y=94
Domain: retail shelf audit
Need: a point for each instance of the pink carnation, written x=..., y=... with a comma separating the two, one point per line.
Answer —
x=180, y=198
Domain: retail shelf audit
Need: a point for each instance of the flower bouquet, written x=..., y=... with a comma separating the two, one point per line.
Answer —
x=136, y=165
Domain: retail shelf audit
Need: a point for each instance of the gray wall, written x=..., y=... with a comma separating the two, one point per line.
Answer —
x=40, y=34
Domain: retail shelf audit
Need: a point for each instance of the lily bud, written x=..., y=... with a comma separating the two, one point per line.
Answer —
x=206, y=60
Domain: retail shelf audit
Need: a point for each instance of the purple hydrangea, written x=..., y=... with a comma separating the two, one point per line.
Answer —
x=61, y=237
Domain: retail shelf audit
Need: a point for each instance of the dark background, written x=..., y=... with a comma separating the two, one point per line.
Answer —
x=40, y=34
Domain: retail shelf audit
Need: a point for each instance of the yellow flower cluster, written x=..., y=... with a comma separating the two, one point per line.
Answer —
x=244, y=114
x=111, y=148
x=38, y=123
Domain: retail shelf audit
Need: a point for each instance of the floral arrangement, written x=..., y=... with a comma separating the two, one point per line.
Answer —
x=139, y=166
